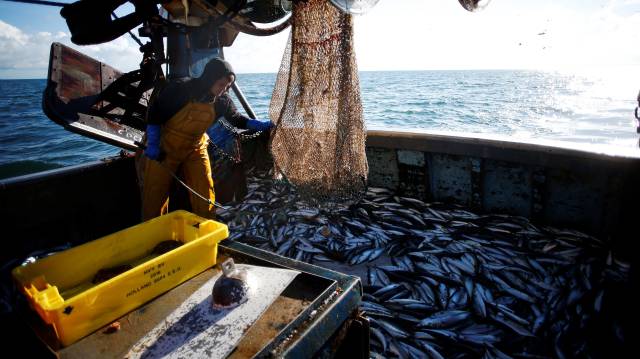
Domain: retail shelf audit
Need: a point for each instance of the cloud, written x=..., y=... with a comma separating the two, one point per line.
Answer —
x=19, y=50
x=121, y=53
x=28, y=53
x=417, y=35
x=251, y=54
x=441, y=35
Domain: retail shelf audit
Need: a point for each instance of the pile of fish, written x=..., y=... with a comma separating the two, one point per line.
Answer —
x=443, y=282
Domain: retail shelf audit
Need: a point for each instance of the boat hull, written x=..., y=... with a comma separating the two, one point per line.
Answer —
x=593, y=192
x=553, y=185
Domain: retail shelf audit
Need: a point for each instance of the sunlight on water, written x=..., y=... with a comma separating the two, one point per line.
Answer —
x=587, y=105
x=595, y=105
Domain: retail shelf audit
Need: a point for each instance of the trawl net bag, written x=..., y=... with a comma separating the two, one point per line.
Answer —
x=319, y=140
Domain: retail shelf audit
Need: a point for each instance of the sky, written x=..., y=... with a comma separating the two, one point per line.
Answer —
x=394, y=35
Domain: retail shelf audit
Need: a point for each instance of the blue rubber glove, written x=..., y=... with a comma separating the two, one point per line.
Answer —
x=259, y=125
x=219, y=135
x=153, y=142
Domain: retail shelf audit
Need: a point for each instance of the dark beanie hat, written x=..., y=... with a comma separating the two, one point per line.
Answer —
x=213, y=71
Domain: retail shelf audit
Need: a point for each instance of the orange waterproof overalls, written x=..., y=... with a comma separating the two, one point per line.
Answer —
x=184, y=143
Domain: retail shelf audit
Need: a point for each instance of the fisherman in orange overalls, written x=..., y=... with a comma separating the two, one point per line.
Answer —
x=176, y=139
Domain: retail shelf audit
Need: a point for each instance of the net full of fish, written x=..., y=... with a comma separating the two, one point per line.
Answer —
x=443, y=282
x=318, y=142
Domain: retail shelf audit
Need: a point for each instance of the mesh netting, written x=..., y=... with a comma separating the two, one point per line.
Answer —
x=319, y=140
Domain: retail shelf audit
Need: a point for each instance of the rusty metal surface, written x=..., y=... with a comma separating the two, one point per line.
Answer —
x=385, y=171
x=114, y=130
x=331, y=306
x=285, y=309
x=508, y=188
x=412, y=169
x=322, y=324
x=450, y=178
x=55, y=68
x=80, y=75
x=71, y=97
x=108, y=76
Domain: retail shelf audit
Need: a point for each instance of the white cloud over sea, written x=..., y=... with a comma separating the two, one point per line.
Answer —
x=26, y=55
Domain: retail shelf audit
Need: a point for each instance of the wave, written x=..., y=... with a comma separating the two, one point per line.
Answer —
x=20, y=168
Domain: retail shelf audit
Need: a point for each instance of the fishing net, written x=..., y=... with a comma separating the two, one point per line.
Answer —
x=319, y=139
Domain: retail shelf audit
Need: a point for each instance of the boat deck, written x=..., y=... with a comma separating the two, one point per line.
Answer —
x=509, y=269
x=440, y=279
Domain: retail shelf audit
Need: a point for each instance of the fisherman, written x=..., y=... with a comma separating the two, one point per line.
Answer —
x=176, y=139
x=225, y=151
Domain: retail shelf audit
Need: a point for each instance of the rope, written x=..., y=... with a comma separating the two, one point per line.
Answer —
x=134, y=37
x=216, y=204
x=41, y=2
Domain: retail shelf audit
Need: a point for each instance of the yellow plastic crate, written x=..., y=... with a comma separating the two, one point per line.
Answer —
x=61, y=289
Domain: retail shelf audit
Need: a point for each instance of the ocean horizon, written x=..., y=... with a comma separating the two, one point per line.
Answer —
x=580, y=110
x=567, y=70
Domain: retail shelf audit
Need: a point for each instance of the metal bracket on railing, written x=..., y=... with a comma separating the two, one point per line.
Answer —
x=638, y=117
x=636, y=113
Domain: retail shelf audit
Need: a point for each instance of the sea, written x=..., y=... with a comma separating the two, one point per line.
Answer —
x=582, y=109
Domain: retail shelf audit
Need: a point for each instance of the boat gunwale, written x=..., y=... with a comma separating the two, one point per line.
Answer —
x=458, y=143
